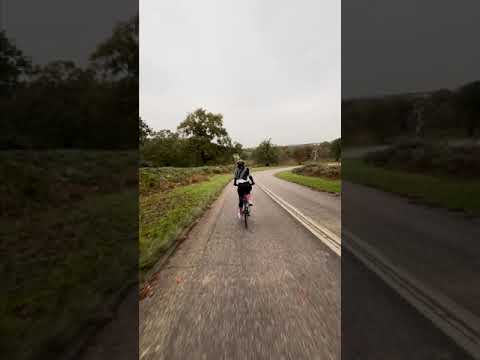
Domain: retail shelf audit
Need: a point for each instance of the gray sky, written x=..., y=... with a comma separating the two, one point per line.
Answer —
x=393, y=46
x=69, y=30
x=271, y=67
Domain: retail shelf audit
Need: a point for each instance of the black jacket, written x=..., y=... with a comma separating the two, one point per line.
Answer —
x=242, y=174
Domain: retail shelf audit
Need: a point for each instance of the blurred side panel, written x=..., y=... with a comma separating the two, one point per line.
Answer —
x=68, y=188
x=411, y=180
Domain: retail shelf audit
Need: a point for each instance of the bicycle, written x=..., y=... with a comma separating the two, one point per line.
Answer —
x=245, y=209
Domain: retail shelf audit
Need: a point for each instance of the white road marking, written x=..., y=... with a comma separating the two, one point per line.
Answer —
x=326, y=236
x=455, y=321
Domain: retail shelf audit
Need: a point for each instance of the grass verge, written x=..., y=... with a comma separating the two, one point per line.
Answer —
x=313, y=182
x=164, y=215
x=66, y=264
x=68, y=230
x=447, y=192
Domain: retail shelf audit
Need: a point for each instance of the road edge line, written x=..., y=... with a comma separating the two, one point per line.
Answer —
x=459, y=324
x=332, y=241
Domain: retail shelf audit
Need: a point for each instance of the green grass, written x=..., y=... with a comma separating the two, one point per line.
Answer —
x=67, y=262
x=154, y=179
x=316, y=183
x=69, y=232
x=445, y=192
x=165, y=214
x=33, y=180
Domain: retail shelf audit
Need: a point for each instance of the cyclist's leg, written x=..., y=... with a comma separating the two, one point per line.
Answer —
x=249, y=195
x=240, y=195
x=240, y=200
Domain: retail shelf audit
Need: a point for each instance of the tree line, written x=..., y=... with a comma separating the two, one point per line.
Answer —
x=442, y=113
x=267, y=153
x=62, y=105
x=201, y=139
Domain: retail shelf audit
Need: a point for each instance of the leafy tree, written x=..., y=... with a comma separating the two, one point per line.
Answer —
x=238, y=152
x=302, y=153
x=266, y=153
x=57, y=73
x=207, y=137
x=200, y=139
x=64, y=106
x=165, y=148
x=323, y=150
x=468, y=102
x=144, y=131
x=40, y=115
x=116, y=62
x=118, y=55
x=438, y=111
x=284, y=154
x=204, y=125
x=247, y=154
x=13, y=65
x=336, y=149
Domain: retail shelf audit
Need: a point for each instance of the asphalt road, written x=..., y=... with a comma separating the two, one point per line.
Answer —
x=324, y=208
x=376, y=322
x=269, y=292
x=439, y=247
x=275, y=291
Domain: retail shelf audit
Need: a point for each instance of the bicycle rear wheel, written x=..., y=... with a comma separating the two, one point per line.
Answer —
x=245, y=213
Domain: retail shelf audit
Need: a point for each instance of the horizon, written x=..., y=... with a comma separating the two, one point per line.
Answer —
x=407, y=93
x=251, y=146
x=246, y=147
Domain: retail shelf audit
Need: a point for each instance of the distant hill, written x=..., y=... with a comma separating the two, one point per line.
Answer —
x=306, y=144
x=437, y=114
x=292, y=146
x=407, y=95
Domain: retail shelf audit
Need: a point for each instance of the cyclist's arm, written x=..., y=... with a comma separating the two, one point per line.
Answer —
x=251, y=180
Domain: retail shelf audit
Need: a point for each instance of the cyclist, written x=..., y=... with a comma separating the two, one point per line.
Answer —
x=244, y=181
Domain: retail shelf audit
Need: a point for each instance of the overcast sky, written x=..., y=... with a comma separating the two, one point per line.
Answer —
x=271, y=67
x=393, y=46
x=69, y=30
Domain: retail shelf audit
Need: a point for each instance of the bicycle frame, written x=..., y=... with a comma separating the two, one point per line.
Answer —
x=245, y=210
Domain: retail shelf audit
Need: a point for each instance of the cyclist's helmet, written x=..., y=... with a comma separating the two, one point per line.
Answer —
x=240, y=163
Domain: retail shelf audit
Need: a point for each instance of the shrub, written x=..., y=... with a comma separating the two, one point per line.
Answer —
x=424, y=157
x=329, y=171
